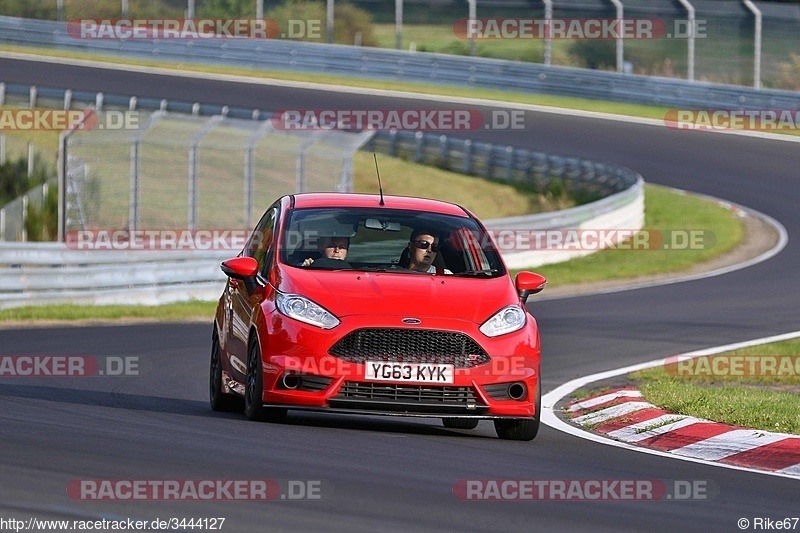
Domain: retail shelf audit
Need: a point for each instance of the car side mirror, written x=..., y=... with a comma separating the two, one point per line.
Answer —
x=528, y=283
x=243, y=268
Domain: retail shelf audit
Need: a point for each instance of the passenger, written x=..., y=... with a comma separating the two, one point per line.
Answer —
x=423, y=247
x=331, y=248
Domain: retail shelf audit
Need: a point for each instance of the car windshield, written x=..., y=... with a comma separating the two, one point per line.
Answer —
x=378, y=240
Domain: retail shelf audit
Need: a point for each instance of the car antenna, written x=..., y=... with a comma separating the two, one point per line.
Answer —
x=379, y=177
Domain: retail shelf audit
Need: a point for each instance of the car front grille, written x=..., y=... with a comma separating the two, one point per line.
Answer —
x=399, y=345
x=412, y=398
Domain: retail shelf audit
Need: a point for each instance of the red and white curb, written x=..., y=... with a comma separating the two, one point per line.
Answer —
x=622, y=415
x=623, y=419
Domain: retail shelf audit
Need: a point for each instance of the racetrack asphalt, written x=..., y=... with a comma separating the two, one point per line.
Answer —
x=399, y=474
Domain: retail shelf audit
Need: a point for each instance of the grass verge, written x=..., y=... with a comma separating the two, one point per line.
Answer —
x=667, y=213
x=71, y=312
x=756, y=387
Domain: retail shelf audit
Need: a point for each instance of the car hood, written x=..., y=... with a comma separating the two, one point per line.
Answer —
x=345, y=293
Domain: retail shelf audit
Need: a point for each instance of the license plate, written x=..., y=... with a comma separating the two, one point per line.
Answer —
x=410, y=372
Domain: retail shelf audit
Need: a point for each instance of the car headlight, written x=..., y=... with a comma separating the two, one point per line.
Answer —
x=506, y=320
x=304, y=310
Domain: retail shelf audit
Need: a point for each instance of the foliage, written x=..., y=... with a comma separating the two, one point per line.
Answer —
x=594, y=54
x=348, y=20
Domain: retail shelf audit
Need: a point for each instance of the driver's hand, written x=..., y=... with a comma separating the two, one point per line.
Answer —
x=307, y=262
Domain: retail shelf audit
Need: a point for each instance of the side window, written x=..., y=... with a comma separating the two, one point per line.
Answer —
x=261, y=243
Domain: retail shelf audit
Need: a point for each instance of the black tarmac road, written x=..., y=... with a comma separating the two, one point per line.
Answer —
x=399, y=474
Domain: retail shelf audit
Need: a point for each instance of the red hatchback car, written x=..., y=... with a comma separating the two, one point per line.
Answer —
x=376, y=305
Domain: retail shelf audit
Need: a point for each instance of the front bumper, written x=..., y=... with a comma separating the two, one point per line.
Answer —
x=294, y=349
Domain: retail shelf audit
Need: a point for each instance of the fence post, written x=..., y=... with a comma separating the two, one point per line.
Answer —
x=190, y=9
x=67, y=99
x=420, y=142
x=133, y=208
x=249, y=180
x=259, y=9
x=473, y=10
x=2, y=225
x=30, y=159
x=347, y=173
x=690, y=11
x=398, y=23
x=24, y=218
x=192, y=187
x=60, y=10
x=548, y=39
x=32, y=98
x=757, y=44
x=2, y=148
x=300, y=171
x=2, y=94
x=330, y=21
x=443, y=151
x=620, y=53
x=468, y=157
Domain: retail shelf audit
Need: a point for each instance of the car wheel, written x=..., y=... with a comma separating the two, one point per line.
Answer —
x=219, y=400
x=254, y=389
x=460, y=423
x=526, y=429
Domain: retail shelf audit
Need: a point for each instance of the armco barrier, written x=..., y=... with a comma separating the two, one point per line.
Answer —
x=409, y=66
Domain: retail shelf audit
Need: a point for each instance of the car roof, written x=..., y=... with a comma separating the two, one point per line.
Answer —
x=307, y=200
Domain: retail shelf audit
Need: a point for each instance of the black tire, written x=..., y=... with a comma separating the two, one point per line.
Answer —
x=220, y=401
x=460, y=423
x=523, y=429
x=254, y=389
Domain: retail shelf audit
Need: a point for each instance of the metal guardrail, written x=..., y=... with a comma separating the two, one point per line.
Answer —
x=395, y=65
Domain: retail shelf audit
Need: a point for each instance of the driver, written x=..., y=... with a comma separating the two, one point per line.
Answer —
x=331, y=248
x=423, y=246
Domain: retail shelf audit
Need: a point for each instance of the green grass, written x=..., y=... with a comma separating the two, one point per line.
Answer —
x=767, y=401
x=70, y=312
x=665, y=210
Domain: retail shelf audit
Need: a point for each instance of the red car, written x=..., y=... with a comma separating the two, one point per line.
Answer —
x=376, y=305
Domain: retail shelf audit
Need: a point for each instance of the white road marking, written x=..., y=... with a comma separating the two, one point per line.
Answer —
x=657, y=426
x=553, y=397
x=608, y=413
x=588, y=404
x=729, y=443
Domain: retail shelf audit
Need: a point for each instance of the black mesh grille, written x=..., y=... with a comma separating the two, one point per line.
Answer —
x=410, y=346
x=423, y=398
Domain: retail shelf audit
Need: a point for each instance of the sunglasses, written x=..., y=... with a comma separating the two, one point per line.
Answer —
x=423, y=245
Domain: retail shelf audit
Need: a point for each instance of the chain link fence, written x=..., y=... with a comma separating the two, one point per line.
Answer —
x=724, y=44
x=190, y=172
